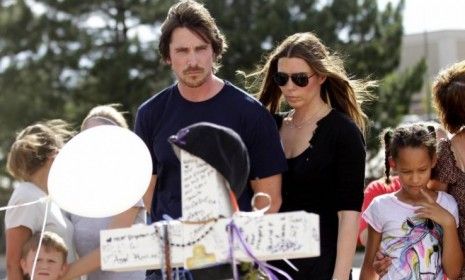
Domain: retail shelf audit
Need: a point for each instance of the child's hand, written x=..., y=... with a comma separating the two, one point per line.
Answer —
x=432, y=210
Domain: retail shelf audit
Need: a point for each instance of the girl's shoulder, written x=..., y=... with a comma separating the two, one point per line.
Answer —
x=448, y=202
x=386, y=198
x=26, y=192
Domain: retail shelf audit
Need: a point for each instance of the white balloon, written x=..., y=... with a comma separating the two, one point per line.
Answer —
x=101, y=172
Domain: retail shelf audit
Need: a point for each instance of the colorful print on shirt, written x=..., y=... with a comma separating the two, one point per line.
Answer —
x=417, y=255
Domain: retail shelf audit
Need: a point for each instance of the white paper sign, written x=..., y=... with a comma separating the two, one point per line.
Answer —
x=204, y=192
x=200, y=238
x=273, y=236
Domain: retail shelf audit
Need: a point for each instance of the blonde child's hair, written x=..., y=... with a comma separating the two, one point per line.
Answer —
x=34, y=145
x=50, y=241
x=106, y=114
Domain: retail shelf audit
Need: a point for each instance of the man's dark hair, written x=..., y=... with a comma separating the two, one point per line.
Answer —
x=196, y=18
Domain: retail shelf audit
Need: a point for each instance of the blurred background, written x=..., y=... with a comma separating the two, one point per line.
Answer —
x=59, y=58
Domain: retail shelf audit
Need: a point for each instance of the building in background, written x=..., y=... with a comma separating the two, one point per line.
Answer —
x=440, y=48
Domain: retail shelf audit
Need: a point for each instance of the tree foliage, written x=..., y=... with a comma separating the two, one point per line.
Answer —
x=60, y=58
x=368, y=37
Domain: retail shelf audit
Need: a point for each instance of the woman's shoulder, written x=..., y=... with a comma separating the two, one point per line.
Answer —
x=444, y=145
x=339, y=127
x=444, y=153
x=344, y=123
x=279, y=118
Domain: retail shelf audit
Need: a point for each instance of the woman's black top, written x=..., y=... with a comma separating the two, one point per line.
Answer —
x=326, y=178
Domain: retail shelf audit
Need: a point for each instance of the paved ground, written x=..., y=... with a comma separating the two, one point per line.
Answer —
x=357, y=265
x=2, y=267
x=358, y=260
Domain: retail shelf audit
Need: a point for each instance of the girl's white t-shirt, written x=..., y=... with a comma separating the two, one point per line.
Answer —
x=32, y=216
x=414, y=244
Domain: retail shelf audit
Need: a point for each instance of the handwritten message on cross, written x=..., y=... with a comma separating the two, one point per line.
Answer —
x=201, y=237
x=274, y=236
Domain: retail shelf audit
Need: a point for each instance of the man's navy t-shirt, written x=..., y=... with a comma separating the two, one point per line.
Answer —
x=167, y=112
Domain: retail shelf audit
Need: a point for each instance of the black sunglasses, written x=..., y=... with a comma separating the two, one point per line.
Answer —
x=299, y=79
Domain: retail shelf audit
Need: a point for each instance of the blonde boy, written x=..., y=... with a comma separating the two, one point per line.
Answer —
x=51, y=263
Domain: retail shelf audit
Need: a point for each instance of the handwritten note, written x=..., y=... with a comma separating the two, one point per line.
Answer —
x=204, y=192
x=275, y=236
x=200, y=238
x=138, y=247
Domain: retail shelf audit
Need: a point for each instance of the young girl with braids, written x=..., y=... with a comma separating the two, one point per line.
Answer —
x=415, y=226
x=387, y=184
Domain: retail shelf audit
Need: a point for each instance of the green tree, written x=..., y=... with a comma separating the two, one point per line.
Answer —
x=60, y=58
x=71, y=55
x=57, y=63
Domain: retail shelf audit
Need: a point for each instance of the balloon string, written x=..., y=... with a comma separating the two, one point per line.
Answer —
x=43, y=199
x=47, y=203
x=40, y=200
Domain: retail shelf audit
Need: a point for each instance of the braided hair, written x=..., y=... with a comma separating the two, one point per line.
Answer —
x=414, y=136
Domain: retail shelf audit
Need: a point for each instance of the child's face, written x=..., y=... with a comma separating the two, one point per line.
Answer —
x=413, y=166
x=50, y=264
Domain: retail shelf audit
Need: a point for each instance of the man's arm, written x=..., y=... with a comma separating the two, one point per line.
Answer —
x=271, y=186
x=148, y=195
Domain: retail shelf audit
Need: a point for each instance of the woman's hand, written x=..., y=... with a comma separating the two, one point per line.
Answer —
x=381, y=263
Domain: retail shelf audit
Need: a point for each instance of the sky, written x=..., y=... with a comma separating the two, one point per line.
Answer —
x=431, y=15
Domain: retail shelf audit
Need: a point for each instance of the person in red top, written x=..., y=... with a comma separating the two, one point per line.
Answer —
x=374, y=189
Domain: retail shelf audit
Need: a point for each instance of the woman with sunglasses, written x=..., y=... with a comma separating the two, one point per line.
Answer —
x=322, y=137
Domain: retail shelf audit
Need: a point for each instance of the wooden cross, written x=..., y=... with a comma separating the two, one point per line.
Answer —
x=200, y=237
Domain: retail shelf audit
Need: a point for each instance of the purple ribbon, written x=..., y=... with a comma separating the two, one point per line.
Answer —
x=262, y=265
